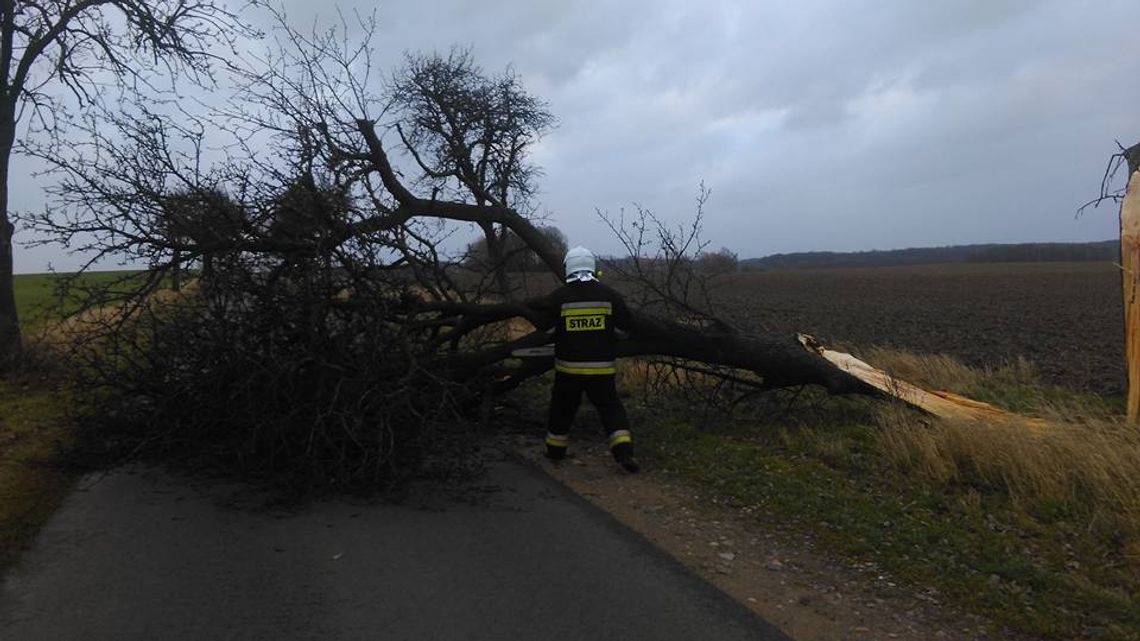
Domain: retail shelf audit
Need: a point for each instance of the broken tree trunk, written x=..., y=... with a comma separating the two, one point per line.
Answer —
x=1130, y=278
x=780, y=361
x=944, y=405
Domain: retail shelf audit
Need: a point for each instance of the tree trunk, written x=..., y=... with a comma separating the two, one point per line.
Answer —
x=176, y=272
x=502, y=278
x=1130, y=281
x=780, y=360
x=496, y=260
x=10, y=342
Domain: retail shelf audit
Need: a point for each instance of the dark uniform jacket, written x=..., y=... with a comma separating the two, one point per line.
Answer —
x=584, y=315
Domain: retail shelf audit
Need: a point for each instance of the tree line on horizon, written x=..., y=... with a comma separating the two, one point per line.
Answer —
x=1107, y=250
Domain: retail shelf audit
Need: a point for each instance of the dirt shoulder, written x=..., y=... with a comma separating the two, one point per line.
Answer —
x=33, y=433
x=783, y=578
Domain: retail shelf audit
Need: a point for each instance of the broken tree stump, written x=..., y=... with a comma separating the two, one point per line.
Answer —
x=1130, y=279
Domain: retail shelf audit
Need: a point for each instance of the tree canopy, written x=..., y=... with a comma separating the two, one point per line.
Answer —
x=53, y=52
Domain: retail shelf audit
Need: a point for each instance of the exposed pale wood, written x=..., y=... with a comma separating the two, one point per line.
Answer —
x=942, y=404
x=1129, y=264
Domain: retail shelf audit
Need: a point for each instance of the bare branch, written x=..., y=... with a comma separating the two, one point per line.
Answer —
x=1128, y=158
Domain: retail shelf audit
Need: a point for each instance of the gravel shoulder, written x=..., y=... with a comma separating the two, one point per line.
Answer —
x=782, y=577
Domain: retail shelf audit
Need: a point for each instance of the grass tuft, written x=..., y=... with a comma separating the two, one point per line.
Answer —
x=1090, y=464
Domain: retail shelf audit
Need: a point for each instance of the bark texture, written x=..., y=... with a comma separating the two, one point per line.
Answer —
x=1129, y=264
x=10, y=341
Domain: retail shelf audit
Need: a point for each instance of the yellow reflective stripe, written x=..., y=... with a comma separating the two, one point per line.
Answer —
x=588, y=303
x=557, y=440
x=587, y=311
x=584, y=364
x=584, y=367
x=566, y=369
x=620, y=436
x=618, y=440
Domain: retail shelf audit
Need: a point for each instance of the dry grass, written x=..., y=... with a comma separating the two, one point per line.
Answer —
x=1090, y=464
x=1079, y=456
x=933, y=372
x=94, y=322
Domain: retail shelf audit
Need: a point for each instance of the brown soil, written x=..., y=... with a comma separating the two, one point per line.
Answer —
x=782, y=577
x=1066, y=318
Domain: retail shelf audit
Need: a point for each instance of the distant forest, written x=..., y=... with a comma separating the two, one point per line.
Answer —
x=1108, y=250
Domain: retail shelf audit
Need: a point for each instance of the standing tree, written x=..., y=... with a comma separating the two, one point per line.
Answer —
x=1129, y=198
x=721, y=261
x=1130, y=262
x=75, y=46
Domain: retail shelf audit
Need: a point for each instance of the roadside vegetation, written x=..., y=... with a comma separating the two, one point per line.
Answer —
x=33, y=295
x=35, y=432
x=33, y=435
x=39, y=301
x=1038, y=530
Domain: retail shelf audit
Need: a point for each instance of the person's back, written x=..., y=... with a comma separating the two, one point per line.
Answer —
x=584, y=352
x=584, y=335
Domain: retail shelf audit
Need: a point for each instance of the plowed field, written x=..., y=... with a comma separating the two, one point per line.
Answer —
x=1064, y=317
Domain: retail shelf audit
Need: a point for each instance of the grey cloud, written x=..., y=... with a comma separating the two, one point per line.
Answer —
x=821, y=125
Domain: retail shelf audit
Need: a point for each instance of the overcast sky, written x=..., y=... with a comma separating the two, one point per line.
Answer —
x=818, y=125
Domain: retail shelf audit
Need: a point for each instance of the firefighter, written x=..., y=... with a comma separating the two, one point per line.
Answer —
x=587, y=312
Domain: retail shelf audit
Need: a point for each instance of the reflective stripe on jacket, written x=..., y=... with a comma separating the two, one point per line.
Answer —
x=584, y=315
x=584, y=367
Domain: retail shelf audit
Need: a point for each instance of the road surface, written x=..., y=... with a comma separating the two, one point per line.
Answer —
x=142, y=555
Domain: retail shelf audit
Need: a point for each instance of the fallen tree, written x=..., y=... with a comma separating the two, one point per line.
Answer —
x=124, y=197
x=779, y=361
x=331, y=332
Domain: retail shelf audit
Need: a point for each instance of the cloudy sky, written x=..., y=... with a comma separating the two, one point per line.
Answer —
x=818, y=125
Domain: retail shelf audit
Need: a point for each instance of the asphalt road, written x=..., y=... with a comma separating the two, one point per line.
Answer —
x=144, y=555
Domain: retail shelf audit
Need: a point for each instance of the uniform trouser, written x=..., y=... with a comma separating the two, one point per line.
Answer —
x=564, y=400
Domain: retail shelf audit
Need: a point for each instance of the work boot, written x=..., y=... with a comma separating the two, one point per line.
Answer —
x=623, y=454
x=556, y=445
x=629, y=464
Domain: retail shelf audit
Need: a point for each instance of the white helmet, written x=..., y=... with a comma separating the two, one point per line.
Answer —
x=579, y=265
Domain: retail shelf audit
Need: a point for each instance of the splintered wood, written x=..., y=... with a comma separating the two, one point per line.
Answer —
x=942, y=404
x=1129, y=277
